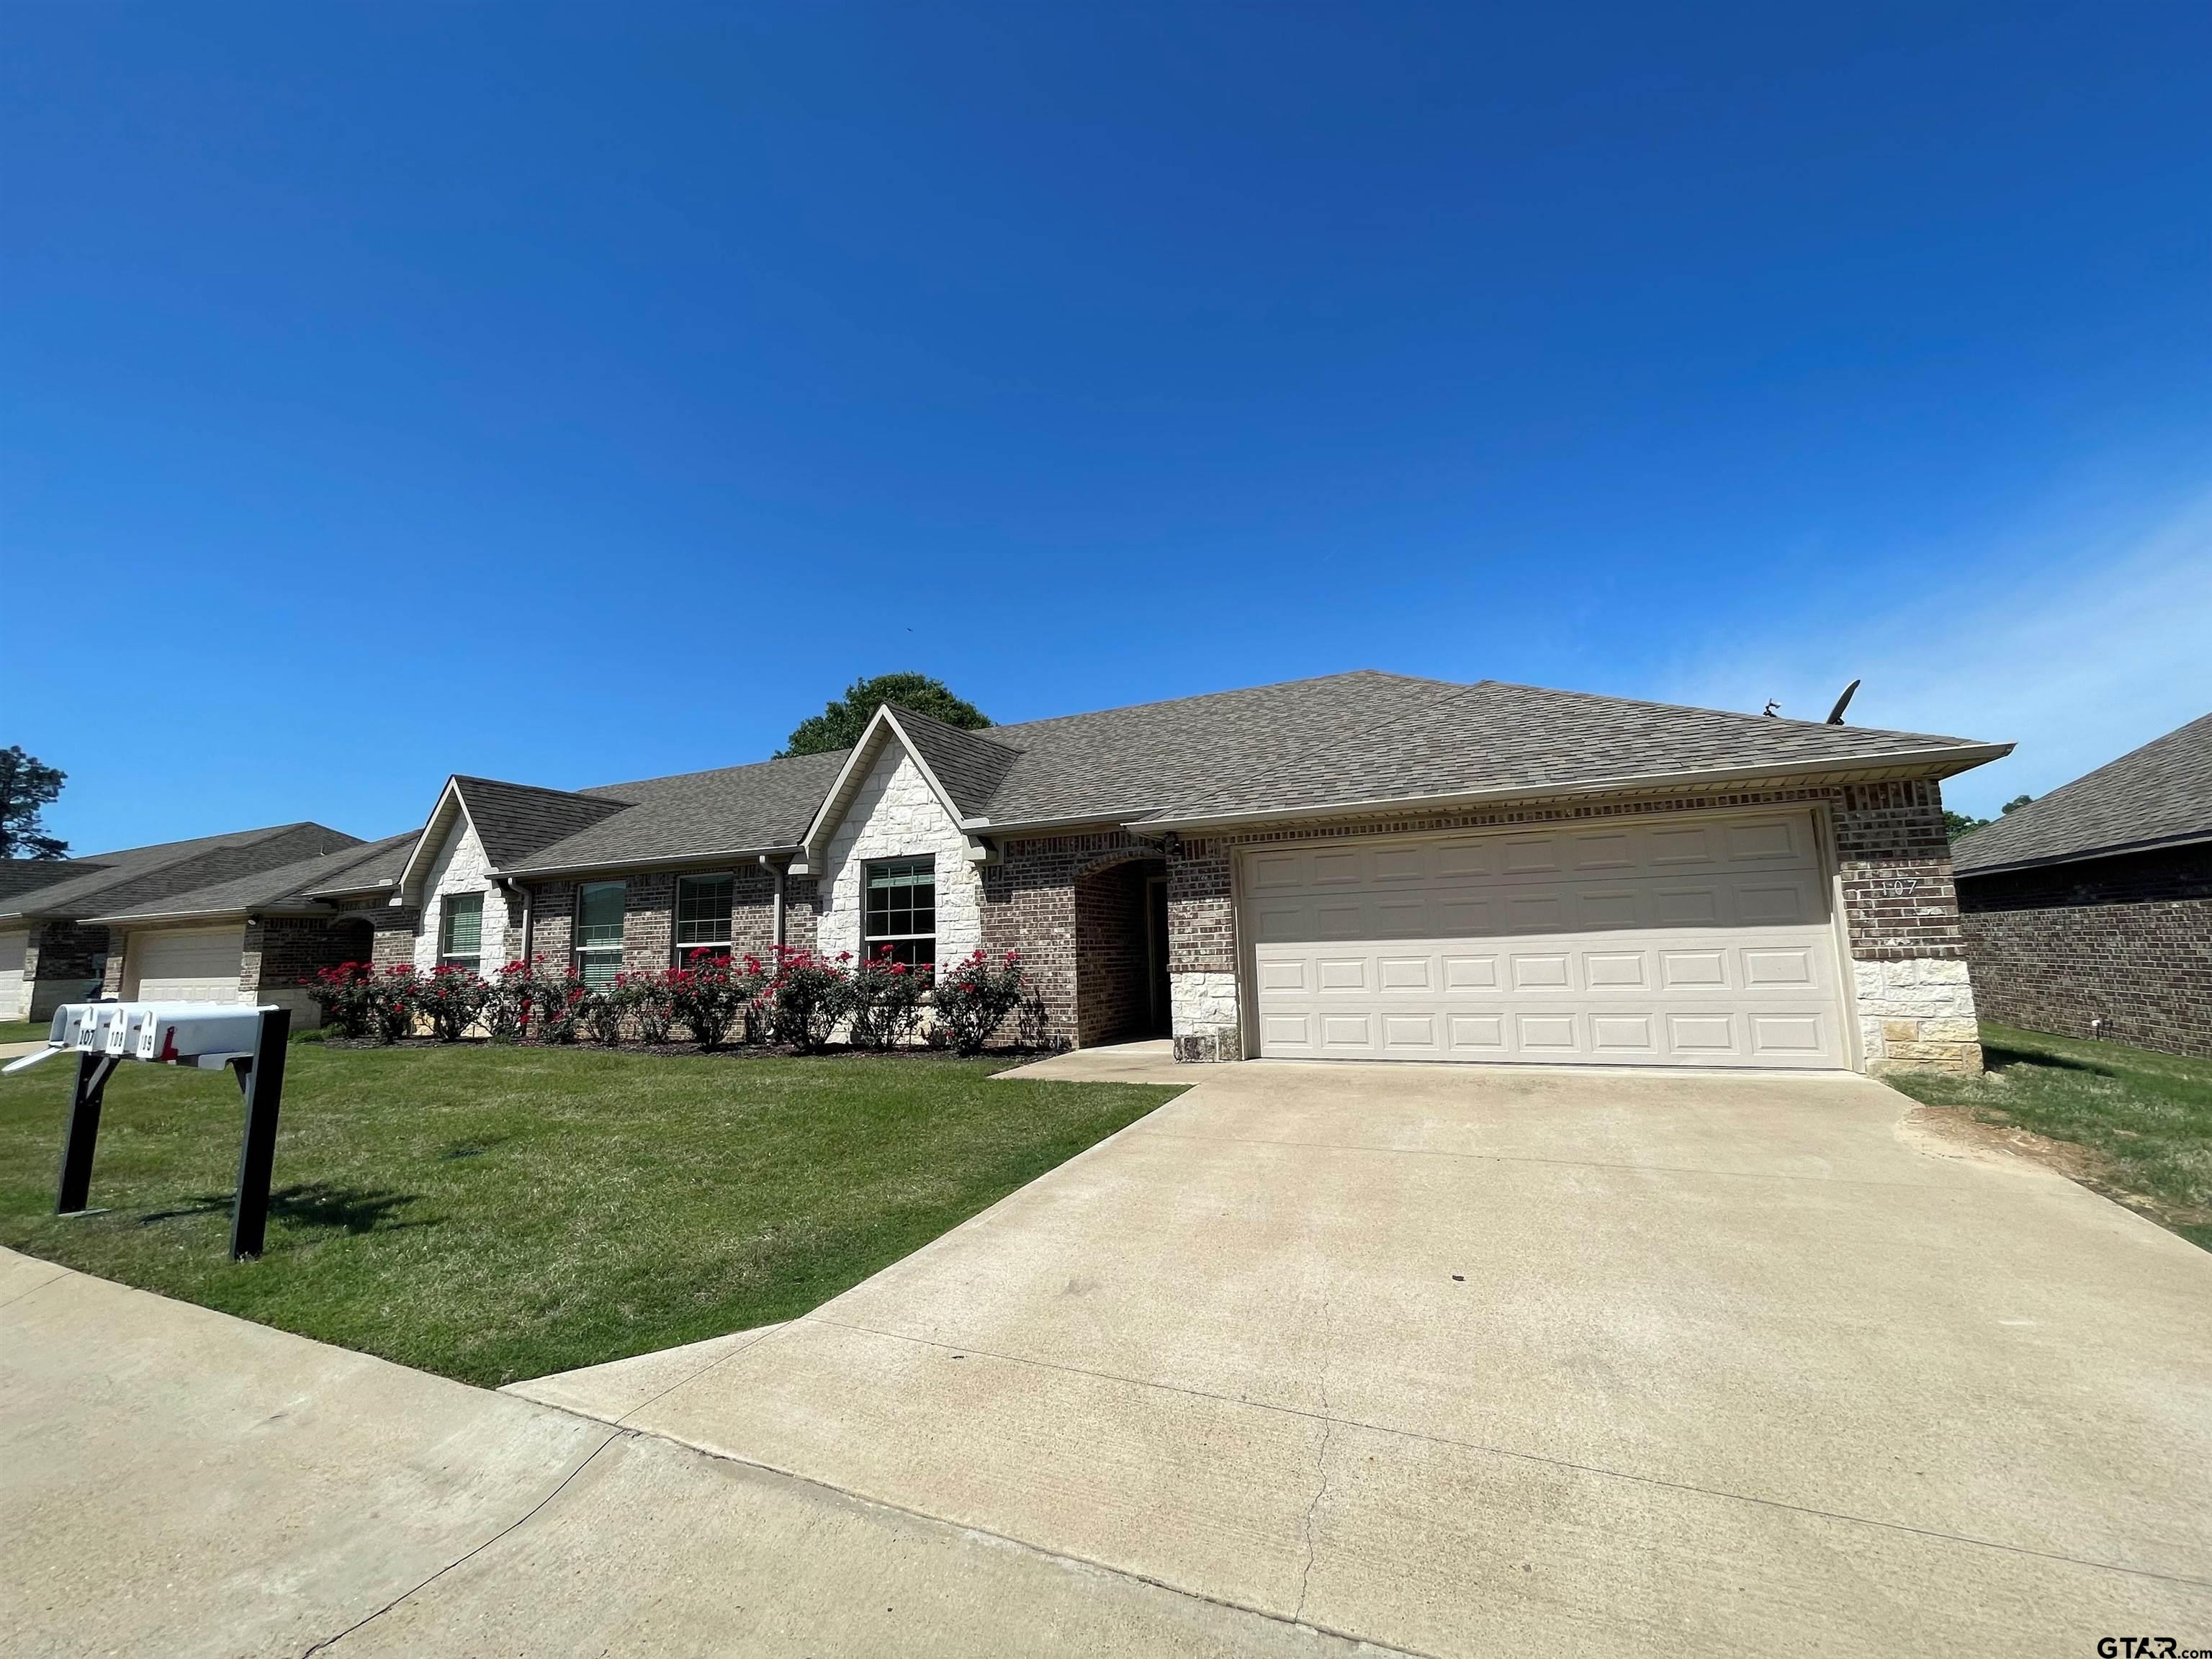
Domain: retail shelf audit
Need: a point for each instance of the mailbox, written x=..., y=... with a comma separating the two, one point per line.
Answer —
x=206, y=1034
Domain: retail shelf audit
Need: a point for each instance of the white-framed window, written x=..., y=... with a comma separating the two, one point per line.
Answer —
x=898, y=910
x=599, y=907
x=461, y=931
x=702, y=916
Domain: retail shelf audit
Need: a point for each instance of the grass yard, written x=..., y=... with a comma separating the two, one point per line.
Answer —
x=497, y=1213
x=2145, y=1118
x=26, y=1030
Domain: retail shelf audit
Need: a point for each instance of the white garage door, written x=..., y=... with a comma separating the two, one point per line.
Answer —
x=200, y=966
x=1700, y=943
x=12, y=947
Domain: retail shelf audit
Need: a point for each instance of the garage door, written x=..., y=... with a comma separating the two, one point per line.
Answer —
x=1704, y=943
x=12, y=947
x=201, y=966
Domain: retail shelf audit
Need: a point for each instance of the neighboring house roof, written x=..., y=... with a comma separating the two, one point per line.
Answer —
x=23, y=875
x=696, y=816
x=2154, y=796
x=286, y=889
x=134, y=875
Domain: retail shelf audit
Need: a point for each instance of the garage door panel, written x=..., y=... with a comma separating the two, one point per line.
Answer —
x=197, y=966
x=14, y=948
x=1703, y=944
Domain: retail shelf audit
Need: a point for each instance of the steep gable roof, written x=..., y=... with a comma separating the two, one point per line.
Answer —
x=2156, y=795
x=969, y=765
x=514, y=820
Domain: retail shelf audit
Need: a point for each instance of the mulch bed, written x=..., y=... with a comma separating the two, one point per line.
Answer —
x=692, y=1051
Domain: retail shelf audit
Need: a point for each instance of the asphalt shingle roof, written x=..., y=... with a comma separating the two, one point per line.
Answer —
x=2159, y=793
x=286, y=886
x=108, y=882
x=696, y=815
x=1300, y=746
x=1493, y=736
x=514, y=820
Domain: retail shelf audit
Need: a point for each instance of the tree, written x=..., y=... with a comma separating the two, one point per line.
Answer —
x=25, y=785
x=1956, y=824
x=839, y=726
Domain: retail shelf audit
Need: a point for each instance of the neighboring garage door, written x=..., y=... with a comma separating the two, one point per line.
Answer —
x=201, y=966
x=12, y=947
x=1699, y=943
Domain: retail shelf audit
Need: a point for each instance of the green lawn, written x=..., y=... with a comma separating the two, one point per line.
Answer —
x=26, y=1030
x=496, y=1213
x=2147, y=1117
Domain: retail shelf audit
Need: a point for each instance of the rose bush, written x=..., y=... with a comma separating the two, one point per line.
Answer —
x=650, y=1004
x=392, y=1003
x=451, y=998
x=883, y=1001
x=708, y=995
x=973, y=997
x=347, y=996
x=507, y=1009
x=803, y=997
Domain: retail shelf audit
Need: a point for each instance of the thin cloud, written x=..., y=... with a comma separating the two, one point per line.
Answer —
x=2076, y=661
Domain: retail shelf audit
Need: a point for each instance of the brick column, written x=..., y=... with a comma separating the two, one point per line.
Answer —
x=1202, y=953
x=1901, y=912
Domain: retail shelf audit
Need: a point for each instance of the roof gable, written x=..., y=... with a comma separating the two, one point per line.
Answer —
x=977, y=763
x=2153, y=796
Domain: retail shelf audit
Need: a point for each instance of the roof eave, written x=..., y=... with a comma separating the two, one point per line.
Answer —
x=667, y=861
x=1902, y=763
x=225, y=913
x=2117, y=849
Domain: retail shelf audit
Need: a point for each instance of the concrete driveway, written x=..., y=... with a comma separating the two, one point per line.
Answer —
x=1465, y=1361
x=1449, y=1361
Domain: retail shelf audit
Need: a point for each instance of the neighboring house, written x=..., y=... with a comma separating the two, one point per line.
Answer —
x=52, y=947
x=2088, y=912
x=1365, y=866
x=254, y=938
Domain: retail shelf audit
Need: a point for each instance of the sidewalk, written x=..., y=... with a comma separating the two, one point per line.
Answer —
x=176, y=1481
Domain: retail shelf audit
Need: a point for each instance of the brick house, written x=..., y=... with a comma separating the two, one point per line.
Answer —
x=2088, y=912
x=1363, y=866
x=54, y=942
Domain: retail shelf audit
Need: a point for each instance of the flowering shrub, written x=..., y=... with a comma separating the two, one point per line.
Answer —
x=708, y=995
x=883, y=1001
x=555, y=1000
x=507, y=1006
x=346, y=995
x=973, y=998
x=451, y=998
x=803, y=999
x=392, y=1003
x=600, y=1015
x=650, y=1002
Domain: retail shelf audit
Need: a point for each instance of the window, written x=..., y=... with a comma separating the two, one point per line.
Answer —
x=599, y=931
x=461, y=931
x=899, y=910
x=702, y=916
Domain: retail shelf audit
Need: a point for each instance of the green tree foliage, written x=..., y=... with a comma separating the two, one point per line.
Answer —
x=1956, y=824
x=840, y=725
x=25, y=785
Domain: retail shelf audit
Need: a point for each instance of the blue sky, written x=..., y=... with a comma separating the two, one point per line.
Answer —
x=576, y=394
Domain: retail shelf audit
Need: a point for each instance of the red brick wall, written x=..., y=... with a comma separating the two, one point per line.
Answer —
x=1112, y=994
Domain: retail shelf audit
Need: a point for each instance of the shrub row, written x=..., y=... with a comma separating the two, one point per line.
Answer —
x=799, y=1001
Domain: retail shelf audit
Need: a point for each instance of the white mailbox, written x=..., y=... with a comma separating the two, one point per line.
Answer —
x=206, y=1034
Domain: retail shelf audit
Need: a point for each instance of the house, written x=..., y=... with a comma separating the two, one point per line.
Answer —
x=54, y=948
x=2088, y=912
x=1364, y=865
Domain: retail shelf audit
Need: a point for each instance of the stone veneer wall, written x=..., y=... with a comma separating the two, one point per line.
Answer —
x=895, y=814
x=460, y=868
x=2116, y=948
x=1916, y=1006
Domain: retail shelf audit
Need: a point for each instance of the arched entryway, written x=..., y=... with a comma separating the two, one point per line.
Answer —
x=1121, y=952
